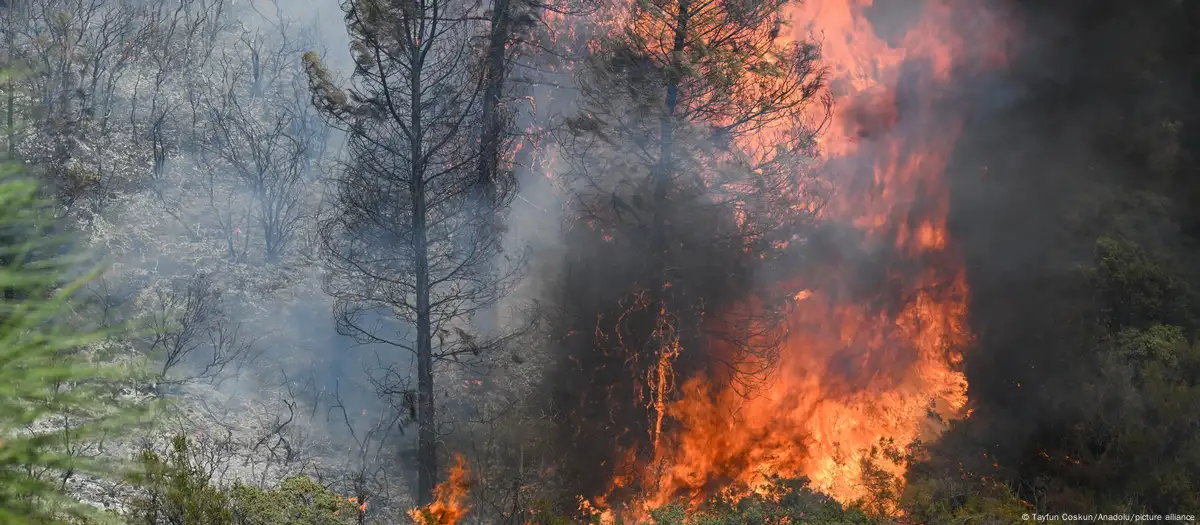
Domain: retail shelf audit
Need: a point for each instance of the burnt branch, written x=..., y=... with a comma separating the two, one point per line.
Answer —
x=187, y=317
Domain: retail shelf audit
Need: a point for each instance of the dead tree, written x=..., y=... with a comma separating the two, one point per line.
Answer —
x=179, y=45
x=252, y=129
x=250, y=135
x=401, y=236
x=191, y=335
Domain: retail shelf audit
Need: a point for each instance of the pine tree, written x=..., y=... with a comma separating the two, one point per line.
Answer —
x=53, y=390
x=405, y=237
x=689, y=159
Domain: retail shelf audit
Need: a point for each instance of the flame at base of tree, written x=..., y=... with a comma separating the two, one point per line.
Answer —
x=831, y=414
x=872, y=362
x=449, y=498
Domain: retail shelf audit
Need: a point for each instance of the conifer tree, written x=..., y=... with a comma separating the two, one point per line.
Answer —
x=689, y=160
x=55, y=388
x=404, y=237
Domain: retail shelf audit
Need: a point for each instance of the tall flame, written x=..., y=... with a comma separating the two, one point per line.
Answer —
x=878, y=330
x=449, y=498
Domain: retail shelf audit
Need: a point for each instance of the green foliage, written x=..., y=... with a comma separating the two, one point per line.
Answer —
x=180, y=491
x=784, y=501
x=541, y=512
x=1141, y=403
x=53, y=393
x=1152, y=412
x=177, y=491
x=297, y=501
x=1135, y=287
x=1158, y=344
x=882, y=486
x=326, y=94
x=961, y=499
x=781, y=502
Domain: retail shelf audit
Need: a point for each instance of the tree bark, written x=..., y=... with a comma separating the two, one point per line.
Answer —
x=666, y=163
x=426, y=434
x=487, y=169
x=493, y=127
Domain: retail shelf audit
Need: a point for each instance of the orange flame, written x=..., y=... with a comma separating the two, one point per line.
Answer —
x=361, y=505
x=856, y=372
x=449, y=498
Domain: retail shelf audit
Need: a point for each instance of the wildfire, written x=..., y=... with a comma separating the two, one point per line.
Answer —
x=361, y=506
x=863, y=365
x=449, y=498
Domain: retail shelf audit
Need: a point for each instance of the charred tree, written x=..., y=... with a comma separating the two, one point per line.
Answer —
x=510, y=23
x=493, y=122
x=510, y=34
x=689, y=155
x=403, y=237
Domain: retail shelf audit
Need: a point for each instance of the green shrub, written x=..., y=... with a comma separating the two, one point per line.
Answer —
x=969, y=501
x=1137, y=288
x=784, y=501
x=176, y=491
x=297, y=501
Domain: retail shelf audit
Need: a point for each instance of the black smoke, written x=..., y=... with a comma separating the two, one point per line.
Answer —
x=1096, y=106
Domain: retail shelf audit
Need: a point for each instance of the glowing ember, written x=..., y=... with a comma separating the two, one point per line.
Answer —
x=870, y=359
x=449, y=498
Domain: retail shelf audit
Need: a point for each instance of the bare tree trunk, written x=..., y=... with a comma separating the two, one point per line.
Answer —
x=11, y=121
x=426, y=433
x=493, y=126
x=11, y=86
x=666, y=163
